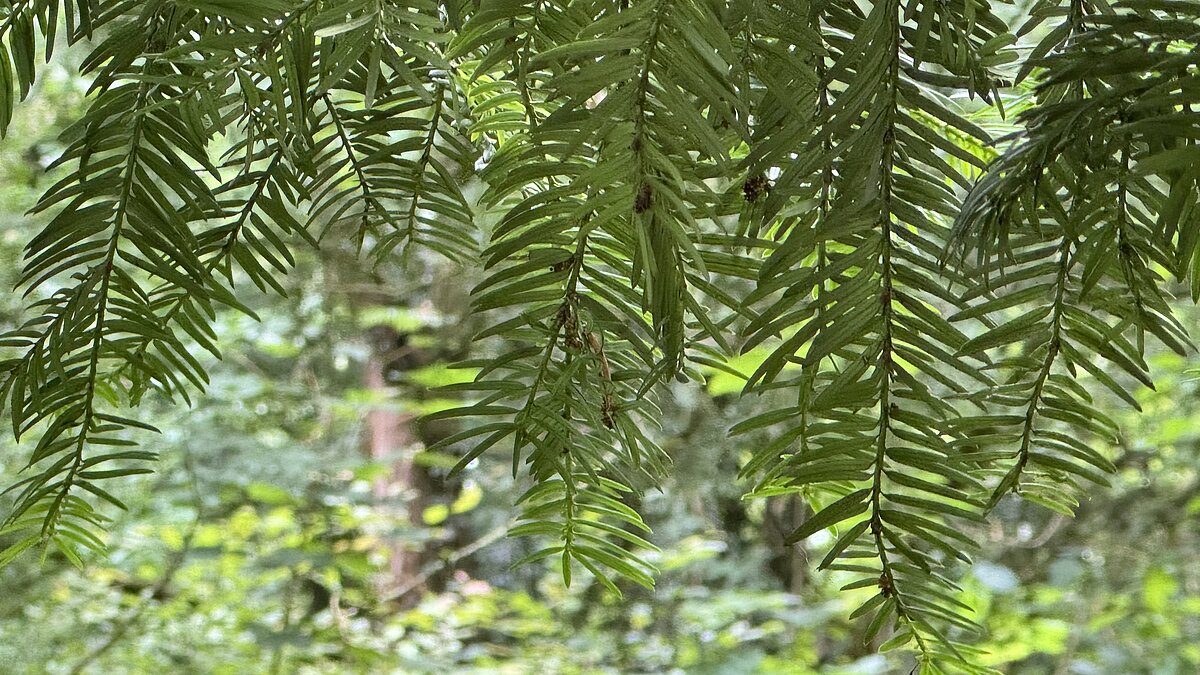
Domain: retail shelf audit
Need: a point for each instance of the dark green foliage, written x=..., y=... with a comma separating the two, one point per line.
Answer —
x=668, y=183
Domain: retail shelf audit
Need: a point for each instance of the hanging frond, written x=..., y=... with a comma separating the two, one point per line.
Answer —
x=1076, y=227
x=121, y=220
x=854, y=297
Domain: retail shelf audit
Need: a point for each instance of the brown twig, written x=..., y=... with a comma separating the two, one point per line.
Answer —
x=436, y=566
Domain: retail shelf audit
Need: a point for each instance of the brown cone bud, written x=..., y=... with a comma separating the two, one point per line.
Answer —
x=755, y=187
x=645, y=197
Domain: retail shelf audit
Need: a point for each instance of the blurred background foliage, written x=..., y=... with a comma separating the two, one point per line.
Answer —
x=275, y=538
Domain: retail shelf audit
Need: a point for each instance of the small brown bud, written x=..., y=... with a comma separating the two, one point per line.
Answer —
x=572, y=338
x=885, y=585
x=569, y=321
x=644, y=199
x=755, y=187
x=608, y=411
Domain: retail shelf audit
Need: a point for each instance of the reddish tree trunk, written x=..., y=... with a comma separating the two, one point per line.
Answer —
x=391, y=439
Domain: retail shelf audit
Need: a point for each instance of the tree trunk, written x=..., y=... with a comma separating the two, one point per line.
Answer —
x=391, y=439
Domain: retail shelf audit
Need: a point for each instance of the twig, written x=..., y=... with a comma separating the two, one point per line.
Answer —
x=438, y=565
